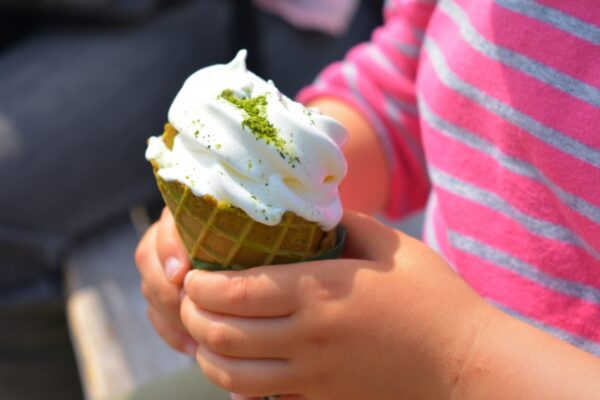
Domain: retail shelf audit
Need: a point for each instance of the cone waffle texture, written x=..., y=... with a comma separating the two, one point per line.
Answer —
x=220, y=233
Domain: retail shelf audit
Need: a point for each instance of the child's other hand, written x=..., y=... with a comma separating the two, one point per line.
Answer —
x=162, y=262
x=380, y=324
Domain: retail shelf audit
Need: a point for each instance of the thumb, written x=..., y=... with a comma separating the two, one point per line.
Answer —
x=171, y=251
x=369, y=239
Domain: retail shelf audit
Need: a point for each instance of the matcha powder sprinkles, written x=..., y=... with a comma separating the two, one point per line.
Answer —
x=255, y=119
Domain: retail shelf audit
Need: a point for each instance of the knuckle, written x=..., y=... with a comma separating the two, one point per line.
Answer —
x=325, y=294
x=238, y=290
x=168, y=301
x=217, y=338
x=322, y=331
x=224, y=379
x=232, y=381
x=322, y=290
x=330, y=289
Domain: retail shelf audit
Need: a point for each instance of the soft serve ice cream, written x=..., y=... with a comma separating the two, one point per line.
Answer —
x=244, y=143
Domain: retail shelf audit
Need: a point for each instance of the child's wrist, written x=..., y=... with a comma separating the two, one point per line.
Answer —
x=470, y=338
x=460, y=320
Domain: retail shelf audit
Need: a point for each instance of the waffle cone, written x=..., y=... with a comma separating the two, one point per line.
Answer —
x=219, y=233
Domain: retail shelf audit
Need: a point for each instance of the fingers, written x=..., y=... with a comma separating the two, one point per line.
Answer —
x=240, y=397
x=238, y=337
x=369, y=239
x=273, y=291
x=256, y=378
x=163, y=295
x=278, y=397
x=174, y=337
x=171, y=252
x=249, y=293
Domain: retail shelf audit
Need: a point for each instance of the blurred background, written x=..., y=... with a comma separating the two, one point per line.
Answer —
x=83, y=84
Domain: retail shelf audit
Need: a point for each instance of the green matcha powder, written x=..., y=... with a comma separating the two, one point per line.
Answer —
x=255, y=120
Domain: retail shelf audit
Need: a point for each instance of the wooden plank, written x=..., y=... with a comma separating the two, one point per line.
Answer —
x=117, y=348
x=103, y=368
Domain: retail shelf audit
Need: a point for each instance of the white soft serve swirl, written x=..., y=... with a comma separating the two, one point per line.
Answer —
x=213, y=154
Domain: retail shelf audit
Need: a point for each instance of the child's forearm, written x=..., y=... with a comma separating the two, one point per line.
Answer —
x=512, y=360
x=365, y=187
x=480, y=352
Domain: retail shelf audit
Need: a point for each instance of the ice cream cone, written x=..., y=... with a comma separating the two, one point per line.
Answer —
x=250, y=176
x=218, y=233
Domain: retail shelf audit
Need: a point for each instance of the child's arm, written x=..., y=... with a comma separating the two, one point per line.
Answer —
x=391, y=321
x=512, y=360
x=365, y=187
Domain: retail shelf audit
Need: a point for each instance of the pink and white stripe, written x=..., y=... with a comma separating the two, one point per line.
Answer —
x=496, y=105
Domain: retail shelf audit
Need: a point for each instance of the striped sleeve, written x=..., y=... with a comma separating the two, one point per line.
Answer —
x=378, y=79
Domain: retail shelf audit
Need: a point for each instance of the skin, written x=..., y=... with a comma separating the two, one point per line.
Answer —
x=390, y=320
x=161, y=286
x=309, y=329
x=365, y=186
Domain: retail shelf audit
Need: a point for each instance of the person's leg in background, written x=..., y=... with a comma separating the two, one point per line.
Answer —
x=292, y=58
x=78, y=103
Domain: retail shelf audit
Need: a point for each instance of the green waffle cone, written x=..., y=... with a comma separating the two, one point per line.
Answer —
x=218, y=233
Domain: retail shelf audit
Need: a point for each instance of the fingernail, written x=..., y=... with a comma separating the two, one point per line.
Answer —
x=188, y=276
x=191, y=349
x=172, y=266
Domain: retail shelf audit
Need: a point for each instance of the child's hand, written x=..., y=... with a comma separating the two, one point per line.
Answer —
x=381, y=324
x=163, y=263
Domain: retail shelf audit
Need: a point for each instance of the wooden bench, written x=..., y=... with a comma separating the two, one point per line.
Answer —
x=117, y=350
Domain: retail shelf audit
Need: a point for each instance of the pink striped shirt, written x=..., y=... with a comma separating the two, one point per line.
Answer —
x=496, y=105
